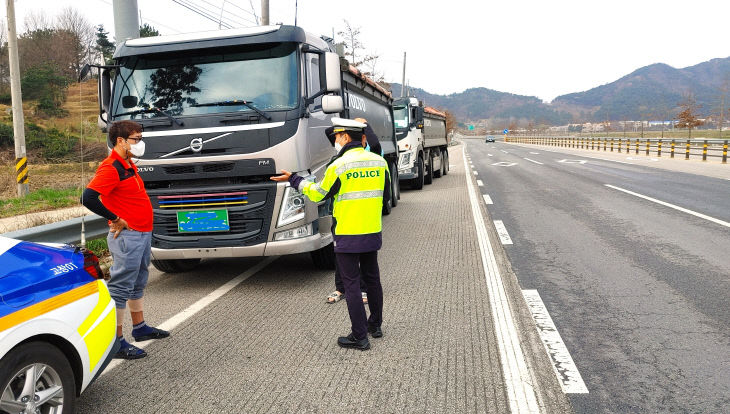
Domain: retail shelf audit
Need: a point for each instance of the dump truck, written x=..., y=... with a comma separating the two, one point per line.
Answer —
x=422, y=140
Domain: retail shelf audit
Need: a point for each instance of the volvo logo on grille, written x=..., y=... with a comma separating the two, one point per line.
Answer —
x=196, y=144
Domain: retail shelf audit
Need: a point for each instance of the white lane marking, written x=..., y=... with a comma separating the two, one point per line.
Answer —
x=505, y=151
x=565, y=369
x=536, y=162
x=573, y=161
x=487, y=199
x=504, y=164
x=642, y=159
x=476, y=173
x=534, y=153
x=490, y=155
x=517, y=377
x=664, y=203
x=196, y=307
x=480, y=183
x=502, y=231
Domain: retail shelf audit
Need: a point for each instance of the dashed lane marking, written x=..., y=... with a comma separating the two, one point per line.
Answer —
x=563, y=365
x=517, y=377
x=505, y=151
x=476, y=172
x=536, y=162
x=487, y=199
x=504, y=164
x=502, y=231
x=534, y=153
x=490, y=155
x=480, y=183
x=678, y=208
x=564, y=161
x=201, y=304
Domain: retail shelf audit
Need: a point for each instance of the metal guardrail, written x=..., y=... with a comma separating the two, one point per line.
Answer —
x=703, y=148
x=67, y=231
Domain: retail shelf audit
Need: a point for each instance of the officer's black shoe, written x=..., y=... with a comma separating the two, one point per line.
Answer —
x=349, y=341
x=375, y=331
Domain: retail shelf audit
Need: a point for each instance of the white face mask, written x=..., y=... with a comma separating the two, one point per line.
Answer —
x=137, y=149
x=338, y=147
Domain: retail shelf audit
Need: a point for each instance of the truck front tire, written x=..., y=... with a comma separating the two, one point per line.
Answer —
x=418, y=181
x=394, y=185
x=324, y=258
x=428, y=177
x=444, y=162
x=175, y=265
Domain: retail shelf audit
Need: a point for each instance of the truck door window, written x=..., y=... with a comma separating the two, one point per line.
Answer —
x=313, y=84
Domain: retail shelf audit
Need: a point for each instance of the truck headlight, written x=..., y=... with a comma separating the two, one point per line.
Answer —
x=292, y=207
x=405, y=159
x=295, y=233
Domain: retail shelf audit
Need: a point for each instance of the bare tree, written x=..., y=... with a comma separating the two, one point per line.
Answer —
x=688, y=116
x=354, y=47
x=72, y=21
x=37, y=20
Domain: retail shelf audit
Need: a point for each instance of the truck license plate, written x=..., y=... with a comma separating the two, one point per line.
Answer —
x=197, y=221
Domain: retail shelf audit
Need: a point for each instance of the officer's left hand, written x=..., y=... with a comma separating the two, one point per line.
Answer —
x=283, y=177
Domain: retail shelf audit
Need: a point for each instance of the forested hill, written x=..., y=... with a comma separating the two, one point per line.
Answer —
x=482, y=103
x=653, y=91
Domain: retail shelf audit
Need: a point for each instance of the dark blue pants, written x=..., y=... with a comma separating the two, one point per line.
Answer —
x=352, y=267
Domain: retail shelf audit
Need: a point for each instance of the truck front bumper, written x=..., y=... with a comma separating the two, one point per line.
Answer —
x=407, y=173
x=271, y=248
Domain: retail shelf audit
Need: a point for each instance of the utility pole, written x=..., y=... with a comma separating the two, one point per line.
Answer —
x=21, y=161
x=403, y=84
x=264, y=12
x=126, y=20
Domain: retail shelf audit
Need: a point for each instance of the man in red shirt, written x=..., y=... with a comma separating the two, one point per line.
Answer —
x=117, y=193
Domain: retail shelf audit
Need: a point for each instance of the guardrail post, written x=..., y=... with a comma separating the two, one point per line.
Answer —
x=637, y=146
x=648, y=144
x=659, y=149
x=604, y=143
x=611, y=144
x=686, y=151
x=724, y=153
x=619, y=145
x=672, y=153
x=704, y=151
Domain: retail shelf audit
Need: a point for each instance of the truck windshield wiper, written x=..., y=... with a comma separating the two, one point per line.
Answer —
x=150, y=109
x=248, y=104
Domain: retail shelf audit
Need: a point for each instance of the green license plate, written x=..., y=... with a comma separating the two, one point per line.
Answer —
x=197, y=221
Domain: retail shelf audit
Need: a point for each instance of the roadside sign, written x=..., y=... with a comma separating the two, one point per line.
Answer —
x=471, y=127
x=505, y=131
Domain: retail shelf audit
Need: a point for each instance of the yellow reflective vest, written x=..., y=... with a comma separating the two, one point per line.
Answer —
x=358, y=203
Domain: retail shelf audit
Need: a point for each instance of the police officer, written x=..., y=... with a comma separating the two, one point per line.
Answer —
x=357, y=180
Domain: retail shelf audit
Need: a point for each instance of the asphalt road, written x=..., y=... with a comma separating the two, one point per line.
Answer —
x=265, y=341
x=638, y=290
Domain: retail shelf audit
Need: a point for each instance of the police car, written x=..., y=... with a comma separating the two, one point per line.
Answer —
x=57, y=325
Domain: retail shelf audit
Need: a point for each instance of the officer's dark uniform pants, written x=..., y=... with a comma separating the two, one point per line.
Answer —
x=340, y=285
x=352, y=266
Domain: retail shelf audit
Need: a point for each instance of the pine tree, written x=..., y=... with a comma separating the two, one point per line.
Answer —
x=104, y=46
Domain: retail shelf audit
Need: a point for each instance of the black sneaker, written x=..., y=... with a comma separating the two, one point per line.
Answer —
x=349, y=341
x=129, y=351
x=147, y=332
x=375, y=331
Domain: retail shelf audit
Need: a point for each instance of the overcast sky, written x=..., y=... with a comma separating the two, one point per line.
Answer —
x=527, y=47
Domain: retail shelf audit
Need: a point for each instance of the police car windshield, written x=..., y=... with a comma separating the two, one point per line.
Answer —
x=184, y=84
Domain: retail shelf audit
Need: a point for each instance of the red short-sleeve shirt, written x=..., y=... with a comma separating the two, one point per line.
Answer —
x=122, y=191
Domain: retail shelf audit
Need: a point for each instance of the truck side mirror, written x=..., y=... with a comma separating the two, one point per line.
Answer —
x=331, y=76
x=105, y=92
x=419, y=116
x=84, y=71
x=332, y=104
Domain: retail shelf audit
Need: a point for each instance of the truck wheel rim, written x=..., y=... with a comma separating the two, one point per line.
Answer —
x=34, y=388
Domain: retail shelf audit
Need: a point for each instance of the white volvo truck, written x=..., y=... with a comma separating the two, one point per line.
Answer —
x=222, y=112
x=422, y=140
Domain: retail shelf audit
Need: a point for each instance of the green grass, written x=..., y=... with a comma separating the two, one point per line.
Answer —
x=98, y=246
x=40, y=200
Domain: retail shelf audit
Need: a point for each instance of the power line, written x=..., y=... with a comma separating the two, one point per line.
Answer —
x=213, y=15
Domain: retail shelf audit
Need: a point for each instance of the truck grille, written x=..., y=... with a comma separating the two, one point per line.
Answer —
x=249, y=209
x=236, y=198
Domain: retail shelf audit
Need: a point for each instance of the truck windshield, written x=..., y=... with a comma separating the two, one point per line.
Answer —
x=264, y=76
x=400, y=116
